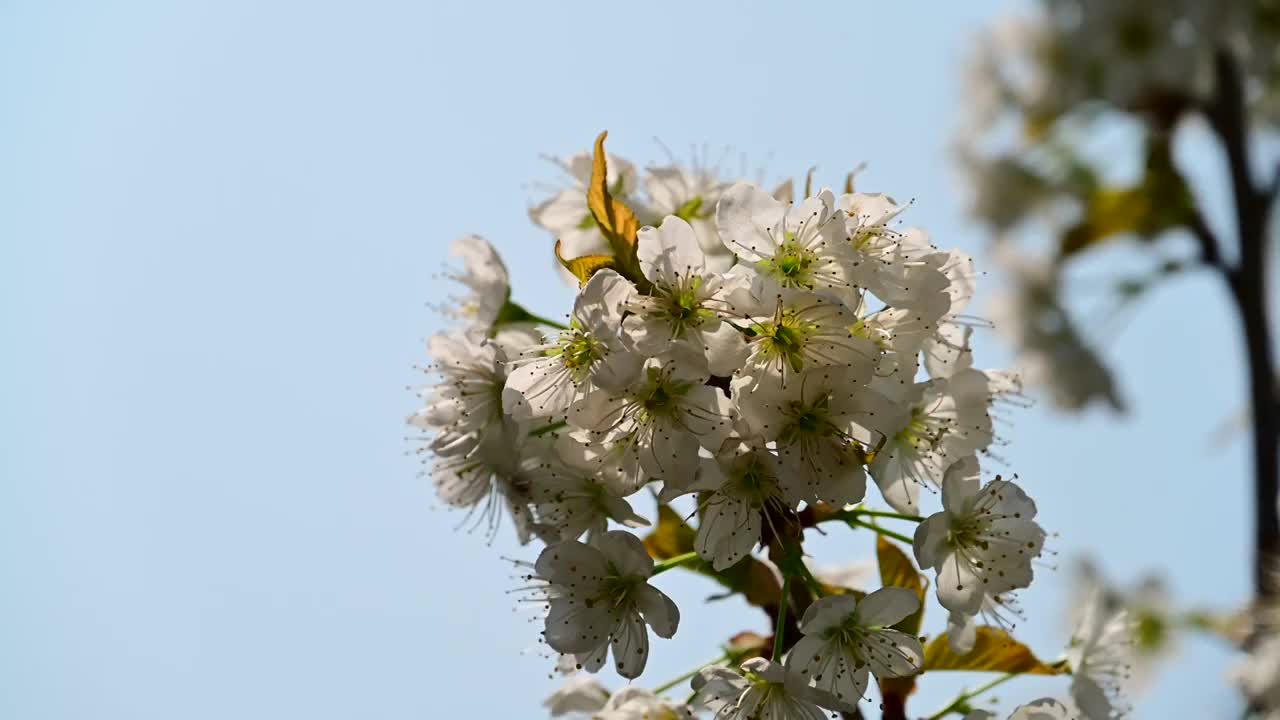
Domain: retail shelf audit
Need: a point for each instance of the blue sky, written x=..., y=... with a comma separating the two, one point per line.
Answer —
x=221, y=223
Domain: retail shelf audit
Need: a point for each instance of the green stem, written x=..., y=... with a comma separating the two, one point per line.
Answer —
x=887, y=533
x=681, y=678
x=965, y=697
x=815, y=586
x=782, y=618
x=512, y=312
x=539, y=432
x=671, y=562
x=856, y=512
x=547, y=321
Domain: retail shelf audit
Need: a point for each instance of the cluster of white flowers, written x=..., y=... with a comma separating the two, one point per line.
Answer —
x=1040, y=91
x=761, y=354
x=1127, y=54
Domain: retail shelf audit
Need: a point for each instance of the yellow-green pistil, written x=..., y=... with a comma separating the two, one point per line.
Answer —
x=578, y=350
x=683, y=308
x=783, y=339
x=807, y=421
x=792, y=265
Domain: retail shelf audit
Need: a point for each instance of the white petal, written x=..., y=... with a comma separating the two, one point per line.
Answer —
x=887, y=606
x=930, y=543
x=658, y=610
x=630, y=646
x=745, y=218
x=828, y=612
x=625, y=553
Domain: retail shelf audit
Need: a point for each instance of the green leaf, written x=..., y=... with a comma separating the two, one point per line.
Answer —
x=994, y=650
x=897, y=570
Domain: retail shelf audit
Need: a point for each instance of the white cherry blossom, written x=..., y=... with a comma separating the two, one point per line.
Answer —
x=686, y=303
x=796, y=246
x=550, y=377
x=466, y=405
x=1101, y=658
x=572, y=501
x=691, y=194
x=845, y=638
x=654, y=427
x=579, y=694
x=485, y=276
x=566, y=215
x=635, y=703
x=983, y=542
x=599, y=597
x=792, y=330
x=764, y=690
x=948, y=420
x=823, y=422
x=742, y=490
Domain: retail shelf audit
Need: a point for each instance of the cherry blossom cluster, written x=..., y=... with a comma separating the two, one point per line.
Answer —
x=763, y=357
x=1039, y=91
x=1130, y=55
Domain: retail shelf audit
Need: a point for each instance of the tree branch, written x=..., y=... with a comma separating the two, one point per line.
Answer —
x=1248, y=283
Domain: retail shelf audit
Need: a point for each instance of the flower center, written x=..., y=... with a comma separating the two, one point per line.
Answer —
x=684, y=307
x=791, y=265
x=784, y=339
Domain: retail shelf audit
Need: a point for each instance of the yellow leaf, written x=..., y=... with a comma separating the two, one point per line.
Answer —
x=672, y=536
x=993, y=651
x=614, y=218
x=1160, y=201
x=586, y=266
x=808, y=182
x=897, y=570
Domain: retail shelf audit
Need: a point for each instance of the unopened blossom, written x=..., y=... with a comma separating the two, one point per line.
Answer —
x=598, y=597
x=485, y=276
x=763, y=690
x=654, y=427
x=823, y=421
x=796, y=246
x=579, y=694
x=741, y=489
x=686, y=303
x=635, y=703
x=550, y=377
x=845, y=638
x=982, y=543
x=1101, y=658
